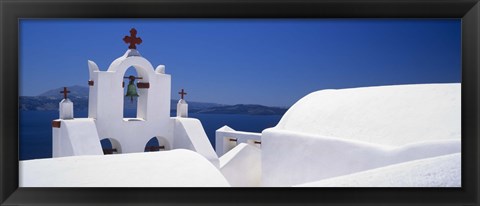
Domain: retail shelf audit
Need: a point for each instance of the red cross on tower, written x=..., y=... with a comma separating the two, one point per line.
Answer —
x=132, y=39
x=65, y=91
x=182, y=93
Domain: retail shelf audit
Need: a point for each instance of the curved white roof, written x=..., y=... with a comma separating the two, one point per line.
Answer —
x=175, y=168
x=441, y=171
x=388, y=115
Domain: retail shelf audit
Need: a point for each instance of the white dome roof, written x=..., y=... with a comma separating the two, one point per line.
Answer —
x=388, y=115
x=175, y=168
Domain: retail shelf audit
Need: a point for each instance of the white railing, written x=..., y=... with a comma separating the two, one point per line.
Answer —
x=226, y=139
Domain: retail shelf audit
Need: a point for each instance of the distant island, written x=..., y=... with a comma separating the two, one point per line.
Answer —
x=48, y=101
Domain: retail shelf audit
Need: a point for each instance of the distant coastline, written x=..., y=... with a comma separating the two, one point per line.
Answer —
x=48, y=101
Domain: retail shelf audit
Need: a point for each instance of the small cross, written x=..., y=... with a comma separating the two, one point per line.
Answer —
x=132, y=39
x=65, y=91
x=182, y=93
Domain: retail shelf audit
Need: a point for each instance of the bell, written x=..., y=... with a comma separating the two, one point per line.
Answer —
x=131, y=90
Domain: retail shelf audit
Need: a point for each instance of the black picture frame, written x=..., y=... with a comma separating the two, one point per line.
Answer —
x=11, y=11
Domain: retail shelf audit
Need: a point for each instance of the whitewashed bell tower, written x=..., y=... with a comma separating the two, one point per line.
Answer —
x=106, y=100
x=81, y=136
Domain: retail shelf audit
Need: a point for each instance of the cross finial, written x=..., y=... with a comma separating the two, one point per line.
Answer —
x=182, y=93
x=65, y=91
x=132, y=39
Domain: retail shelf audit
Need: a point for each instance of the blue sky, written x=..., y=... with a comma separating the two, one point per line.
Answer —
x=272, y=62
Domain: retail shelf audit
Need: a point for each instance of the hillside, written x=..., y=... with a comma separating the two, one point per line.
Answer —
x=48, y=101
x=75, y=91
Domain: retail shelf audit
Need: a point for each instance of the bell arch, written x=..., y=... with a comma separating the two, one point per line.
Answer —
x=143, y=67
x=130, y=94
x=157, y=143
x=145, y=71
x=111, y=146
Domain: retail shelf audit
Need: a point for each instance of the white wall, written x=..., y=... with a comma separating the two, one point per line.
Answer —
x=61, y=146
x=223, y=137
x=441, y=171
x=92, y=91
x=338, y=132
x=290, y=158
x=189, y=134
x=76, y=137
x=241, y=166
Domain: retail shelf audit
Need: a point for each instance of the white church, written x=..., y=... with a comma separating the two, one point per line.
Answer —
x=384, y=136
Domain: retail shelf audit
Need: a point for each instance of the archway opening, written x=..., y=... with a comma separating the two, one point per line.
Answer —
x=110, y=146
x=156, y=144
x=130, y=103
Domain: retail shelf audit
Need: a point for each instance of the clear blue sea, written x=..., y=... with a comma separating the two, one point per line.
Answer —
x=35, y=140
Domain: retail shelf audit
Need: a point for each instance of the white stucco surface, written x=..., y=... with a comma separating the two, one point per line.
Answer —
x=441, y=171
x=189, y=134
x=182, y=108
x=176, y=168
x=339, y=132
x=65, y=108
x=241, y=166
x=225, y=133
x=76, y=137
x=290, y=158
x=106, y=100
x=386, y=115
